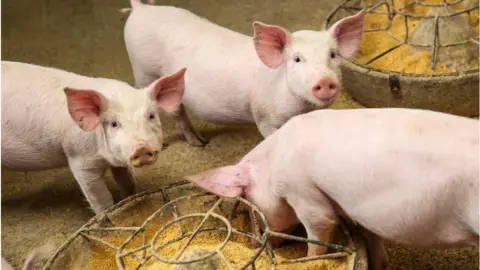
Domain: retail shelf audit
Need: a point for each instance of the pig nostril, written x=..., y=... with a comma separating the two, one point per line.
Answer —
x=318, y=87
x=150, y=154
x=332, y=86
x=135, y=157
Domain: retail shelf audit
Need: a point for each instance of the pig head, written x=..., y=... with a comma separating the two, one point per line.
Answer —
x=128, y=123
x=309, y=58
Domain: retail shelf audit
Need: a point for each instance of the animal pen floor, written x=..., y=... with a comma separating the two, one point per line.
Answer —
x=86, y=36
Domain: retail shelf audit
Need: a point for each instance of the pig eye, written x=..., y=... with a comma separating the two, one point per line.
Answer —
x=333, y=54
x=114, y=124
x=152, y=116
x=298, y=58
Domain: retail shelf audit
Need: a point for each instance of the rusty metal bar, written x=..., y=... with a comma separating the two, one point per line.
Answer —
x=435, y=45
x=190, y=239
x=304, y=240
x=382, y=54
x=319, y=257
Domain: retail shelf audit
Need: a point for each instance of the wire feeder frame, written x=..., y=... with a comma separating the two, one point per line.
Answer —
x=141, y=253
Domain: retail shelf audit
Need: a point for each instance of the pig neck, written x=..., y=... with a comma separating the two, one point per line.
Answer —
x=263, y=189
x=277, y=97
x=268, y=86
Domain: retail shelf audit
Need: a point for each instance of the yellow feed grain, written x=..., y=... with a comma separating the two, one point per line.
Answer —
x=237, y=251
x=423, y=10
x=401, y=59
x=474, y=19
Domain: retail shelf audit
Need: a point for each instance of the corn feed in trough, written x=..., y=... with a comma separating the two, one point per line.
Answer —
x=416, y=54
x=183, y=227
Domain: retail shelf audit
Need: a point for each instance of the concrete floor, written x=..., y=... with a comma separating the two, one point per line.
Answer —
x=86, y=36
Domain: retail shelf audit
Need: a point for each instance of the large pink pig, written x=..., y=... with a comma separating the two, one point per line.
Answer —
x=407, y=175
x=234, y=78
x=53, y=118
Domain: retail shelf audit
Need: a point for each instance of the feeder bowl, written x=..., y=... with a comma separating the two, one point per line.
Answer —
x=131, y=235
x=453, y=92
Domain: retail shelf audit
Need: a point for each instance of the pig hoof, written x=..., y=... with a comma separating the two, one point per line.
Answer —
x=98, y=209
x=202, y=138
x=197, y=141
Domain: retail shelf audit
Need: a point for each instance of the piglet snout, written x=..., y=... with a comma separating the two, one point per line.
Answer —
x=143, y=155
x=326, y=88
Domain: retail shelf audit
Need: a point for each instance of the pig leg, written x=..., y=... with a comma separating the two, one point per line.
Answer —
x=377, y=256
x=185, y=127
x=321, y=230
x=92, y=182
x=319, y=219
x=274, y=242
x=124, y=180
x=266, y=129
x=264, y=124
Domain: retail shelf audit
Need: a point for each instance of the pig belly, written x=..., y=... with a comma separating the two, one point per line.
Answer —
x=220, y=116
x=216, y=104
x=410, y=200
x=30, y=154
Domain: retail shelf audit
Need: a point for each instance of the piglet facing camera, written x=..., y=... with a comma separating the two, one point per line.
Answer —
x=88, y=124
x=233, y=78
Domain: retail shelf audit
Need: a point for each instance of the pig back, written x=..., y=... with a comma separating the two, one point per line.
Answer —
x=386, y=145
x=221, y=63
x=386, y=167
x=36, y=124
x=172, y=37
x=380, y=132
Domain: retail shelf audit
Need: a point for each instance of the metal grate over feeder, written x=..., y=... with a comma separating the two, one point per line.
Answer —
x=445, y=31
x=130, y=235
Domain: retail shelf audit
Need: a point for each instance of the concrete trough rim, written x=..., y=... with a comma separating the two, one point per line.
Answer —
x=411, y=76
x=373, y=89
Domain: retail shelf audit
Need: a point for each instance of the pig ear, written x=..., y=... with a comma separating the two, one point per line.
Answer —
x=270, y=41
x=168, y=91
x=348, y=33
x=85, y=106
x=227, y=181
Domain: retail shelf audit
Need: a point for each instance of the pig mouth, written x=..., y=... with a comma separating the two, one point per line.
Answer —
x=325, y=99
x=144, y=161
